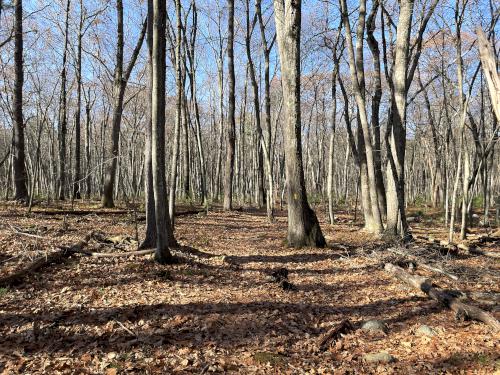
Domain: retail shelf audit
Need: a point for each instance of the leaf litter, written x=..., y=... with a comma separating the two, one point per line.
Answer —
x=219, y=310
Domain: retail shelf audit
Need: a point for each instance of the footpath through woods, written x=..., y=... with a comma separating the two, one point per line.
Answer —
x=238, y=300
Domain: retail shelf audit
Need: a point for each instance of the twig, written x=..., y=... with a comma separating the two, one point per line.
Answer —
x=125, y=328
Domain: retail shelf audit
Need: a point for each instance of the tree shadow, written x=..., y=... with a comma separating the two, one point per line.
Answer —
x=226, y=325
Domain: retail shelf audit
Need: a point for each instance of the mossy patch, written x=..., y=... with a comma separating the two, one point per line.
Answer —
x=274, y=359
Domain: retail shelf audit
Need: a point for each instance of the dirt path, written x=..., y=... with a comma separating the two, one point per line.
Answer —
x=217, y=310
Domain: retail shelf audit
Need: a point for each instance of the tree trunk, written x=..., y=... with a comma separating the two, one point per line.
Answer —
x=20, y=175
x=375, y=107
x=88, y=175
x=231, y=123
x=119, y=87
x=164, y=235
x=178, y=116
x=194, y=101
x=357, y=74
x=63, y=118
x=77, y=175
x=150, y=235
x=267, y=111
x=396, y=215
x=303, y=225
x=331, y=150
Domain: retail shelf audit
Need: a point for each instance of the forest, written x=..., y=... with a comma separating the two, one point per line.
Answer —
x=249, y=186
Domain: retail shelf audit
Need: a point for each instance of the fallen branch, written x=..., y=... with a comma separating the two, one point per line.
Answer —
x=113, y=255
x=80, y=212
x=326, y=340
x=17, y=231
x=44, y=261
x=423, y=265
x=105, y=212
x=462, y=310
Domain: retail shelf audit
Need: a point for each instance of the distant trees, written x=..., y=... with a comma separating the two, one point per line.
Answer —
x=307, y=127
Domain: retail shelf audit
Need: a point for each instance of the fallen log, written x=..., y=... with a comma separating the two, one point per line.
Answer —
x=333, y=334
x=443, y=246
x=105, y=212
x=462, y=310
x=80, y=212
x=44, y=261
x=423, y=265
x=471, y=249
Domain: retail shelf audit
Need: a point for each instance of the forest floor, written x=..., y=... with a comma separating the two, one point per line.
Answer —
x=218, y=311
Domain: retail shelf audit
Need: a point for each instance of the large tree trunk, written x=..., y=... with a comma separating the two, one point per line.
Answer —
x=20, y=175
x=303, y=225
x=164, y=235
x=231, y=123
x=396, y=216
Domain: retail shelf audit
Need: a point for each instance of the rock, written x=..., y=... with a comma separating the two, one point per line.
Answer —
x=424, y=330
x=382, y=357
x=375, y=325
